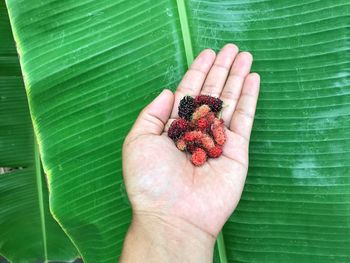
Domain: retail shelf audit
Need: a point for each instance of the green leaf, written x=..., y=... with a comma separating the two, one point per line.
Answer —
x=28, y=232
x=296, y=202
x=90, y=66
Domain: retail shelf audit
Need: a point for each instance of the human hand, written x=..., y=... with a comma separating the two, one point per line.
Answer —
x=165, y=189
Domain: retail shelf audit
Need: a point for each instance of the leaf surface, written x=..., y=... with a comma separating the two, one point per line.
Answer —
x=28, y=233
x=296, y=203
x=90, y=66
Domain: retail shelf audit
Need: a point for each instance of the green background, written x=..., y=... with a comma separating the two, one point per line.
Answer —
x=90, y=66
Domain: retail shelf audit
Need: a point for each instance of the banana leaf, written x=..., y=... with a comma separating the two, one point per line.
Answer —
x=296, y=202
x=28, y=233
x=90, y=66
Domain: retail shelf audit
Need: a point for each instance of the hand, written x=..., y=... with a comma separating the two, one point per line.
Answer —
x=162, y=184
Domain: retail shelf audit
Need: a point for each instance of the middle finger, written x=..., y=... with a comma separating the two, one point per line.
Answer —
x=218, y=73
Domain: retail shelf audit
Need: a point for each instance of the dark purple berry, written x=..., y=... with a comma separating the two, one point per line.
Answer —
x=186, y=107
x=215, y=104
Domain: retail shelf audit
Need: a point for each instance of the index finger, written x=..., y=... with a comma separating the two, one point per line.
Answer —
x=194, y=78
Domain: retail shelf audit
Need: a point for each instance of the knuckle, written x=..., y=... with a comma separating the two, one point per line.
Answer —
x=221, y=67
x=244, y=113
x=229, y=95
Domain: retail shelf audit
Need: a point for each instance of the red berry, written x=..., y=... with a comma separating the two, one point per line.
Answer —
x=215, y=104
x=177, y=128
x=215, y=152
x=181, y=144
x=192, y=136
x=200, y=112
x=218, y=130
x=207, y=141
x=210, y=118
x=199, y=157
x=182, y=124
x=202, y=123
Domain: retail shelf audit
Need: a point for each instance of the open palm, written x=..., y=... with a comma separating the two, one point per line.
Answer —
x=161, y=181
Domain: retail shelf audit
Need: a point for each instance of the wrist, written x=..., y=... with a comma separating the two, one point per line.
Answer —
x=161, y=238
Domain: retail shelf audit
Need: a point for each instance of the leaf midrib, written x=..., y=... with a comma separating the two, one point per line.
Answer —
x=186, y=36
x=38, y=174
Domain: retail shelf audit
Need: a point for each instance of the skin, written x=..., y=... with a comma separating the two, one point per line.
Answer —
x=179, y=209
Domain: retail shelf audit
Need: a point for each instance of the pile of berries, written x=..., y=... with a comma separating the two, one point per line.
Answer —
x=199, y=130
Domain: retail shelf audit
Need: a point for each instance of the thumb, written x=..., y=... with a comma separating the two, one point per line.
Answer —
x=155, y=115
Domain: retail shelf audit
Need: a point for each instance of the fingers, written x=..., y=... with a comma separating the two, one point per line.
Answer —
x=218, y=73
x=243, y=116
x=233, y=87
x=152, y=119
x=193, y=80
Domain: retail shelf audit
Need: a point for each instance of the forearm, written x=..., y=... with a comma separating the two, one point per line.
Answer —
x=153, y=239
